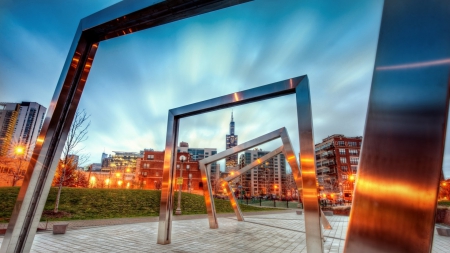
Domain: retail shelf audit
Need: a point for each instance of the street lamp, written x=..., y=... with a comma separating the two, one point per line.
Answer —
x=19, y=150
x=180, y=182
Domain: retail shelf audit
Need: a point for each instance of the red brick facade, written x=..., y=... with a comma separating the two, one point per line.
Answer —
x=337, y=159
x=151, y=171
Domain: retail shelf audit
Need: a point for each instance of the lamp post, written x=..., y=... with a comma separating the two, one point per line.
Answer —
x=180, y=182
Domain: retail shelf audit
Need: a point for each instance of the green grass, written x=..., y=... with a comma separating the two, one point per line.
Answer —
x=86, y=204
x=444, y=203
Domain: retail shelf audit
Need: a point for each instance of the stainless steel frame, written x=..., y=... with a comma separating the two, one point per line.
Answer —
x=207, y=191
x=298, y=86
x=408, y=106
x=117, y=20
x=395, y=197
x=259, y=161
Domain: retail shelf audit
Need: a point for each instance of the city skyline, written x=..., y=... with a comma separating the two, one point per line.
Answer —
x=137, y=78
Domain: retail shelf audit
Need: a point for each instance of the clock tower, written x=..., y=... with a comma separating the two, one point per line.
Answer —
x=231, y=141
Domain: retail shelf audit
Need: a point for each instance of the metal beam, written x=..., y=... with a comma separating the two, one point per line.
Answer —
x=401, y=158
x=117, y=20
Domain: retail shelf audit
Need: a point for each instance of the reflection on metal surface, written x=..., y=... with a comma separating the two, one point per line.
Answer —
x=401, y=157
x=415, y=65
x=298, y=86
x=117, y=20
x=325, y=223
x=281, y=133
x=207, y=189
x=234, y=204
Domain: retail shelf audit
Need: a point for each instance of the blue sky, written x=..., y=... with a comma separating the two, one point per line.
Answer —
x=136, y=79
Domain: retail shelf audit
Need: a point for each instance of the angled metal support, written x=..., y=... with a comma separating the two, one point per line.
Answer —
x=293, y=162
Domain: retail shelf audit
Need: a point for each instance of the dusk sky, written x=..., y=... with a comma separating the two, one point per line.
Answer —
x=135, y=79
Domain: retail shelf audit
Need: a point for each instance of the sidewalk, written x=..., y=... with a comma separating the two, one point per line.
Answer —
x=76, y=224
x=261, y=232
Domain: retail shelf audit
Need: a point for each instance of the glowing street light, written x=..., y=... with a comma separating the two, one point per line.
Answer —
x=19, y=150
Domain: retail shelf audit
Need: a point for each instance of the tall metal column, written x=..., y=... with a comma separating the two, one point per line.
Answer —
x=401, y=159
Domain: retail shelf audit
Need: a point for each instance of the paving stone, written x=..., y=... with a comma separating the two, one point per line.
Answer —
x=273, y=232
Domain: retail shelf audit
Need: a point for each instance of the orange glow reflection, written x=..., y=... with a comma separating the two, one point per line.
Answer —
x=236, y=98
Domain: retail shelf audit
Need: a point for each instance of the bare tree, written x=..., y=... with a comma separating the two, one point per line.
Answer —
x=77, y=134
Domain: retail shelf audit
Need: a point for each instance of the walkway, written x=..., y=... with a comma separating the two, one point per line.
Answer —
x=261, y=232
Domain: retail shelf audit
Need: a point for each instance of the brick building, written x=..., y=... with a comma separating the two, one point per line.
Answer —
x=150, y=171
x=337, y=158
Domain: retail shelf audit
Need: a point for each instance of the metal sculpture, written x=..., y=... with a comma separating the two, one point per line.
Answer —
x=287, y=150
x=408, y=106
x=287, y=153
x=395, y=197
x=298, y=86
x=120, y=19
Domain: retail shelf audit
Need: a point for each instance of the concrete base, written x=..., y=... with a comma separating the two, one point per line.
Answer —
x=299, y=212
x=328, y=213
x=443, y=231
x=60, y=228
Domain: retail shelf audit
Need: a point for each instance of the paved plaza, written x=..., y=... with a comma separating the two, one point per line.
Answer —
x=266, y=232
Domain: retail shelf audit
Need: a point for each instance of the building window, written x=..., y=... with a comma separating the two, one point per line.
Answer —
x=340, y=143
x=353, y=151
x=345, y=177
x=343, y=160
x=354, y=160
x=344, y=168
x=354, y=169
x=352, y=143
x=144, y=173
x=157, y=174
x=150, y=157
x=146, y=165
x=342, y=151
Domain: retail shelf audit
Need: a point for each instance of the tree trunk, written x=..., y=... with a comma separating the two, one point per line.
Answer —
x=61, y=180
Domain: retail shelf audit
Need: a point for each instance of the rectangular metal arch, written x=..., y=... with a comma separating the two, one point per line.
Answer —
x=401, y=157
x=300, y=87
x=117, y=20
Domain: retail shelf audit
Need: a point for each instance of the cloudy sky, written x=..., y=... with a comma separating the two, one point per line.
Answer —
x=136, y=79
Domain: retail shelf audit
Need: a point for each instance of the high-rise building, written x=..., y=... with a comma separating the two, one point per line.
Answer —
x=20, y=124
x=268, y=178
x=231, y=141
x=337, y=158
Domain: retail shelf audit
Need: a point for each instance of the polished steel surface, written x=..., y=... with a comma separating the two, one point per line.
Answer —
x=402, y=152
x=255, y=163
x=233, y=201
x=323, y=219
x=298, y=86
x=120, y=19
x=36, y=185
x=308, y=173
x=207, y=193
x=207, y=189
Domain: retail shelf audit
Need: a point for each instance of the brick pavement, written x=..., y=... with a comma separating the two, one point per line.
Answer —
x=261, y=232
